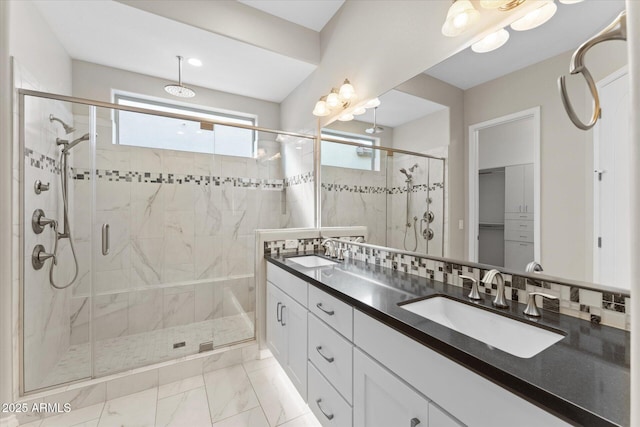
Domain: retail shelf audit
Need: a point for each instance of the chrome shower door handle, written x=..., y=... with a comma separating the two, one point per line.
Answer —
x=105, y=239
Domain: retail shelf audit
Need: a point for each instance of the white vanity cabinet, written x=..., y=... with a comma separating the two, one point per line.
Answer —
x=380, y=399
x=470, y=398
x=518, y=188
x=287, y=325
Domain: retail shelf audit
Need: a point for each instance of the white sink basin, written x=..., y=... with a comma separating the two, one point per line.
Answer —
x=311, y=261
x=512, y=336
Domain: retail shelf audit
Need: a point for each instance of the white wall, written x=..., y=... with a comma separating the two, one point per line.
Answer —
x=423, y=134
x=506, y=144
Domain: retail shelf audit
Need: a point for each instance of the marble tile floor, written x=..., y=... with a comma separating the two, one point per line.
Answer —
x=252, y=394
x=131, y=351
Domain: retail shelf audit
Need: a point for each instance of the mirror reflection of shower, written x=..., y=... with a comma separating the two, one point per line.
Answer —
x=408, y=224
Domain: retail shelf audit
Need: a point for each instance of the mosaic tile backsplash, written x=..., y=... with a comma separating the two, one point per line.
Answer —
x=598, y=307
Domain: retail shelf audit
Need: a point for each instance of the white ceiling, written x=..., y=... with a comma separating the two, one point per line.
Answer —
x=116, y=35
x=569, y=27
x=312, y=14
x=397, y=108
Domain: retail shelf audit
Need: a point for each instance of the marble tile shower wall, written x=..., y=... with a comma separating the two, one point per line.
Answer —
x=46, y=310
x=599, y=307
x=182, y=234
x=355, y=197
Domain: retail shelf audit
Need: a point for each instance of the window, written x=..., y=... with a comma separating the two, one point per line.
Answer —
x=145, y=130
x=349, y=156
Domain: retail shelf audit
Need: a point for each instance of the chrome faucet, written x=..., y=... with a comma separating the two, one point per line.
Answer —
x=329, y=248
x=474, y=294
x=499, y=301
x=533, y=267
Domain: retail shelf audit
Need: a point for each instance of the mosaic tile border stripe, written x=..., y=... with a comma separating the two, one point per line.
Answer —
x=365, y=189
x=608, y=308
x=605, y=308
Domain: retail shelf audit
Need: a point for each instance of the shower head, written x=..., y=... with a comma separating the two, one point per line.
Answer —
x=407, y=174
x=68, y=129
x=179, y=89
x=375, y=128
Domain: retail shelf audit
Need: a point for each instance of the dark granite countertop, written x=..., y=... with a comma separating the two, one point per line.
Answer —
x=584, y=378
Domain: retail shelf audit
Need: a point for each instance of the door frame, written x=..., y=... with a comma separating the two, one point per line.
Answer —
x=472, y=171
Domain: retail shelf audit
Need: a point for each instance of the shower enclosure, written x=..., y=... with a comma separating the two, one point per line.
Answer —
x=135, y=255
x=398, y=195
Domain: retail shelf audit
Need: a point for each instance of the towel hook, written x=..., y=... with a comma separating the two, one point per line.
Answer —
x=617, y=30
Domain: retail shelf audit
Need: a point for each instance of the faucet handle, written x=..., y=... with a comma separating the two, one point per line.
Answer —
x=474, y=294
x=532, y=309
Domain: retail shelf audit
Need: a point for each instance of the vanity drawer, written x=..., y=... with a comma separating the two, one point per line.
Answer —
x=325, y=402
x=518, y=216
x=516, y=224
x=295, y=287
x=332, y=355
x=518, y=235
x=334, y=312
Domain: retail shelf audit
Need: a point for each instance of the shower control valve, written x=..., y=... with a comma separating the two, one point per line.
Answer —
x=39, y=221
x=39, y=256
x=40, y=186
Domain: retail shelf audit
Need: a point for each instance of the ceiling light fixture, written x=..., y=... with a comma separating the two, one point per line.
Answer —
x=321, y=109
x=536, y=17
x=491, y=42
x=179, y=89
x=571, y=1
x=372, y=103
x=461, y=16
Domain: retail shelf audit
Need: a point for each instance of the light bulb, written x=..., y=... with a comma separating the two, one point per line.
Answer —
x=321, y=109
x=536, y=17
x=358, y=111
x=346, y=90
x=345, y=117
x=333, y=100
x=460, y=16
x=372, y=103
x=491, y=42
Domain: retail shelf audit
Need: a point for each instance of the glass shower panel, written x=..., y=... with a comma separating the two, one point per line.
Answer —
x=437, y=206
x=354, y=188
x=178, y=276
x=56, y=296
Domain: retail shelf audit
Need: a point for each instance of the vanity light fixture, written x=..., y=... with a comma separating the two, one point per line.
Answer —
x=461, y=15
x=503, y=5
x=491, y=42
x=536, y=17
x=343, y=102
x=571, y=1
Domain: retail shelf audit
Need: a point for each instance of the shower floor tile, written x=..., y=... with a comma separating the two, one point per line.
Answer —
x=128, y=352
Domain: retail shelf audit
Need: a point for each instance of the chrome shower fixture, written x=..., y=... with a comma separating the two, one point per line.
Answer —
x=69, y=145
x=408, y=173
x=67, y=129
x=179, y=89
x=375, y=128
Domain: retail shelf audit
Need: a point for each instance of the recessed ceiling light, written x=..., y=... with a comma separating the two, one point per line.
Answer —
x=195, y=62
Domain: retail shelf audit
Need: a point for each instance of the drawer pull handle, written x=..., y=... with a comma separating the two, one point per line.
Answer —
x=281, y=315
x=414, y=422
x=328, y=359
x=329, y=416
x=278, y=318
x=329, y=312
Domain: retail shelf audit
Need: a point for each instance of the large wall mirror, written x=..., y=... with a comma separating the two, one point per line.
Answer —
x=522, y=183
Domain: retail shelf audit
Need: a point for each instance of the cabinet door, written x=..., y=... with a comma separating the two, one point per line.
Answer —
x=528, y=188
x=438, y=418
x=517, y=254
x=513, y=187
x=294, y=318
x=380, y=399
x=275, y=330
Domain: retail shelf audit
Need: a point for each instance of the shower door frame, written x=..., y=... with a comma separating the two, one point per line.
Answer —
x=92, y=104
